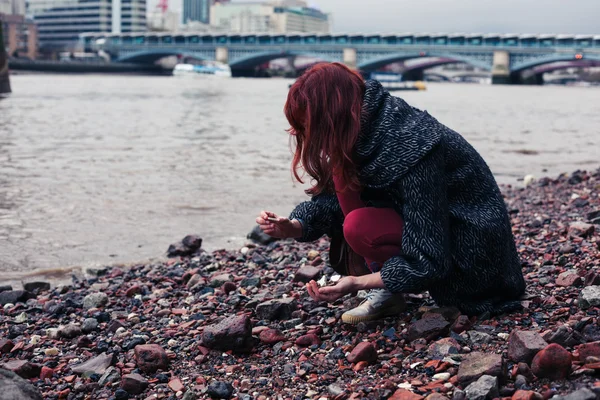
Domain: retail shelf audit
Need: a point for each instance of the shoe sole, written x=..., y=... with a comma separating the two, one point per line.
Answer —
x=353, y=320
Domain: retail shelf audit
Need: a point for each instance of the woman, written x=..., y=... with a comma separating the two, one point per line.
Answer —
x=410, y=195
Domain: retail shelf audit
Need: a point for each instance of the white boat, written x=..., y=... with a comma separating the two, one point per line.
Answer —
x=207, y=69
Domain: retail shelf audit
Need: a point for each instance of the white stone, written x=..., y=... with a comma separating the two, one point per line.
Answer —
x=443, y=376
x=53, y=351
x=52, y=333
x=528, y=180
x=35, y=339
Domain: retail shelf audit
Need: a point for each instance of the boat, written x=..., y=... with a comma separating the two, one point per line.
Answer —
x=393, y=81
x=205, y=69
x=4, y=82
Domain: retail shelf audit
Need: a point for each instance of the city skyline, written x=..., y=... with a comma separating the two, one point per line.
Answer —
x=481, y=16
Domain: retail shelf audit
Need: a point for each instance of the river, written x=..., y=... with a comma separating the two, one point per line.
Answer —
x=108, y=169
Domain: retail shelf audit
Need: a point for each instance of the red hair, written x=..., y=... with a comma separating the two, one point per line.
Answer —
x=323, y=108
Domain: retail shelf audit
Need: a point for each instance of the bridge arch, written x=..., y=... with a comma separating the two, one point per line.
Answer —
x=374, y=64
x=253, y=60
x=530, y=64
x=151, y=56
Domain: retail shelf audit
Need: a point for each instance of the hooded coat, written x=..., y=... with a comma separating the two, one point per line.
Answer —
x=457, y=241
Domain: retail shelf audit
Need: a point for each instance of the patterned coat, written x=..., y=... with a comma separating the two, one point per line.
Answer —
x=457, y=241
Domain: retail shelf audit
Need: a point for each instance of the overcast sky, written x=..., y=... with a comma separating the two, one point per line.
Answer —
x=484, y=16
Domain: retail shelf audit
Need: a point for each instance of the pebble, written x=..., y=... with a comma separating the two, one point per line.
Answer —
x=553, y=362
x=364, y=351
x=220, y=390
x=95, y=300
x=485, y=388
x=524, y=345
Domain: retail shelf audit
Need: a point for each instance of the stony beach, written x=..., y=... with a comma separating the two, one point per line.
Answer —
x=240, y=324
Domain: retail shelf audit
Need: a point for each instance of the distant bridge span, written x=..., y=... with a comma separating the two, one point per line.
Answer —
x=505, y=55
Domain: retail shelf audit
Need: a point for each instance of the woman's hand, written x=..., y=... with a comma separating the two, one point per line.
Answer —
x=330, y=294
x=279, y=227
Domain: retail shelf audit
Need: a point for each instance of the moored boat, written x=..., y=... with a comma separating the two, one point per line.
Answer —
x=205, y=69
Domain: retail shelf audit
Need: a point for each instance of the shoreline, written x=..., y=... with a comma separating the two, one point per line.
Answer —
x=240, y=323
x=58, y=275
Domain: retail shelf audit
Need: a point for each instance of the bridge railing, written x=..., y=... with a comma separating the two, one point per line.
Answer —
x=190, y=39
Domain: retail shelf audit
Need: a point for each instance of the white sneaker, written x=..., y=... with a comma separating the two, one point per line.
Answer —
x=378, y=303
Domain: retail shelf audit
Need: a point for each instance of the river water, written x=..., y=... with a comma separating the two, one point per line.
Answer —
x=110, y=169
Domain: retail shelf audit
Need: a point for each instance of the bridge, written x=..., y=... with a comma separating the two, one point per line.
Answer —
x=506, y=56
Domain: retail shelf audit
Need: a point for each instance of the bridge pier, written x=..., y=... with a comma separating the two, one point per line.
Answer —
x=350, y=58
x=222, y=55
x=501, y=68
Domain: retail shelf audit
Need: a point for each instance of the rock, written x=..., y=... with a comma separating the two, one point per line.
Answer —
x=189, y=395
x=479, y=338
x=563, y=335
x=258, y=236
x=581, y=229
x=229, y=287
x=188, y=246
x=151, y=357
x=46, y=373
x=5, y=288
x=220, y=280
x=110, y=375
x=308, y=340
x=450, y=314
x=220, y=390
x=459, y=395
x=252, y=281
x=95, y=300
x=364, y=351
x=477, y=364
x=96, y=365
x=115, y=325
x=524, y=345
x=134, y=383
x=442, y=376
x=16, y=388
x=403, y=394
x=121, y=394
x=436, y=396
x=589, y=297
x=443, y=348
x=568, y=279
x=553, y=362
x=233, y=333
x=589, y=350
x=15, y=296
x=70, y=331
x=462, y=323
x=6, y=345
x=23, y=368
x=581, y=394
x=428, y=329
x=52, y=351
x=485, y=388
x=36, y=286
x=176, y=385
x=565, y=248
x=525, y=395
x=272, y=336
x=279, y=309
x=89, y=325
x=133, y=290
x=306, y=274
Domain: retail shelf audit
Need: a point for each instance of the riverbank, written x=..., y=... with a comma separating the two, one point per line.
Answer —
x=240, y=323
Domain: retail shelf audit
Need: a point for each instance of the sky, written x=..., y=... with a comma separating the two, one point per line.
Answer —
x=455, y=16
x=470, y=16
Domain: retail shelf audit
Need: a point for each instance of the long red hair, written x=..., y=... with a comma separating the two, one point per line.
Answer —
x=323, y=108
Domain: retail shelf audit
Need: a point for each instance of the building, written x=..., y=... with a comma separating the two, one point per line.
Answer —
x=287, y=16
x=61, y=21
x=196, y=11
x=167, y=21
x=19, y=33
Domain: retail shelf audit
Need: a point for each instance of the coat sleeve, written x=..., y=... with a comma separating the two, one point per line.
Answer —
x=426, y=255
x=318, y=216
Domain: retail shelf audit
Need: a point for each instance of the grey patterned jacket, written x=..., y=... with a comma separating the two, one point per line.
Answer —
x=457, y=241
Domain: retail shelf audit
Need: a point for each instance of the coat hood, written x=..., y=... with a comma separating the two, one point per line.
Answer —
x=394, y=137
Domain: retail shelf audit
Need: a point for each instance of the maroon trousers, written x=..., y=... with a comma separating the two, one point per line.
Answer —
x=373, y=233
